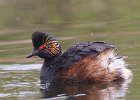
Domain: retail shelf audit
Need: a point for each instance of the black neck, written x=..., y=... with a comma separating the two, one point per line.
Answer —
x=47, y=71
x=48, y=62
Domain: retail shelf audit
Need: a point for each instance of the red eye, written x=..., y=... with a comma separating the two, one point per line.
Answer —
x=41, y=47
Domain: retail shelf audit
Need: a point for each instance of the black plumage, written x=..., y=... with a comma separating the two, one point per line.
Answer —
x=81, y=50
x=71, y=55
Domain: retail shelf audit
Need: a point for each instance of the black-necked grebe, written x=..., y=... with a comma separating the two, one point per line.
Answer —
x=82, y=62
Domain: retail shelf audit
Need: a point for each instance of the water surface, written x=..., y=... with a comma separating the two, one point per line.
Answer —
x=21, y=81
x=71, y=21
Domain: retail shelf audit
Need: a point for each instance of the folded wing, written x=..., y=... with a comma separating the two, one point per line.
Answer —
x=81, y=50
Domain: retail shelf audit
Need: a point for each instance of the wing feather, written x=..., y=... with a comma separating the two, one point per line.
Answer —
x=81, y=50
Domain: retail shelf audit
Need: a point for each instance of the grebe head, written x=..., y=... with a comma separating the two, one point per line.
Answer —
x=38, y=38
x=44, y=45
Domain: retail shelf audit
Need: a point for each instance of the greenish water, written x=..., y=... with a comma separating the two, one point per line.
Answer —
x=22, y=81
x=71, y=21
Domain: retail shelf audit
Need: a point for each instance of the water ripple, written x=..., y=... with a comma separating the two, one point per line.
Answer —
x=21, y=67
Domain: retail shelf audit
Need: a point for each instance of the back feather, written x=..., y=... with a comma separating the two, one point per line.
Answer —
x=81, y=50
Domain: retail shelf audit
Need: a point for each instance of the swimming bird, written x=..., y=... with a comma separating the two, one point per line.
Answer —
x=91, y=62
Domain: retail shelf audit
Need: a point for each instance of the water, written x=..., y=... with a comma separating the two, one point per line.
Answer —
x=71, y=21
x=21, y=82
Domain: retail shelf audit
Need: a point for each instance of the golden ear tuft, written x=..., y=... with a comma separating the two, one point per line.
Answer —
x=52, y=46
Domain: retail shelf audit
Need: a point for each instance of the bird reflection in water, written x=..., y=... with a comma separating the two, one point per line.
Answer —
x=83, y=91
